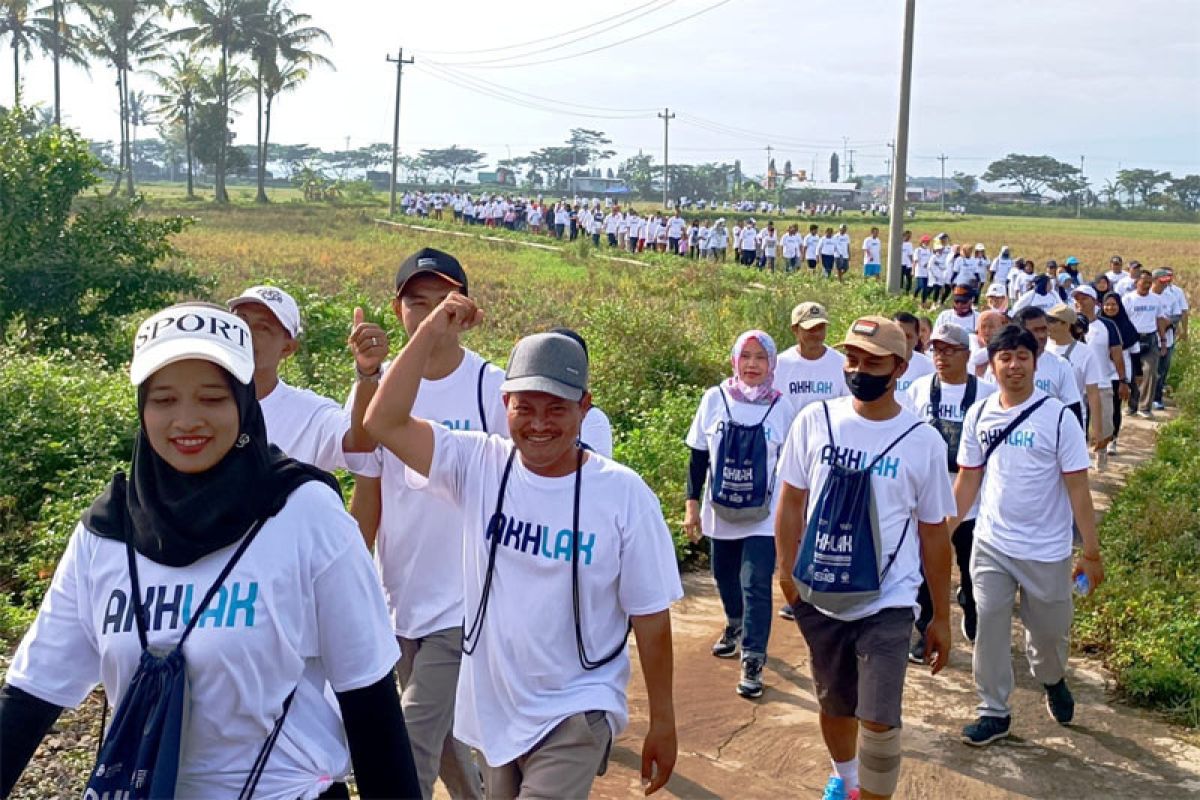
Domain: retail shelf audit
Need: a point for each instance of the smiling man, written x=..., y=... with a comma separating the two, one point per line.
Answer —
x=1026, y=461
x=566, y=548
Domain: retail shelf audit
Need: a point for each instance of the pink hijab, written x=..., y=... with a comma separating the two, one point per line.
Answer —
x=764, y=393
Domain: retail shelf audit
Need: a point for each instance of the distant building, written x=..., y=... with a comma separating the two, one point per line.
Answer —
x=502, y=177
x=597, y=186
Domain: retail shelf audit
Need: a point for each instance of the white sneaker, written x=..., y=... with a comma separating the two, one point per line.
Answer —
x=1112, y=447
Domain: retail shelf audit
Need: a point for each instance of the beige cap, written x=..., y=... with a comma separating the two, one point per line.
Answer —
x=879, y=336
x=809, y=315
x=1063, y=313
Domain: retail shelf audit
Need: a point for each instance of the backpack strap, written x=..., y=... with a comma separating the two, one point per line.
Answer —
x=828, y=422
x=1012, y=426
x=969, y=393
x=264, y=752
x=584, y=661
x=935, y=397
x=479, y=395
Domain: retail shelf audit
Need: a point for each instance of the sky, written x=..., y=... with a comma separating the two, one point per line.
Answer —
x=1115, y=82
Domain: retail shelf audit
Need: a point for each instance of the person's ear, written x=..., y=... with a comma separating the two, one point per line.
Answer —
x=901, y=367
x=293, y=344
x=585, y=402
x=396, y=306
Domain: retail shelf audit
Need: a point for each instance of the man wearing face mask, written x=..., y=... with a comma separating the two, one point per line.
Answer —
x=859, y=642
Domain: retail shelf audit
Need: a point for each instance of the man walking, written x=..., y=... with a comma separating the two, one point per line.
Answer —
x=855, y=609
x=1027, y=462
x=1148, y=312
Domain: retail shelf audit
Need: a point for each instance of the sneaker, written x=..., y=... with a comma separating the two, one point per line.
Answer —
x=835, y=789
x=970, y=617
x=1159, y=407
x=727, y=645
x=1060, y=703
x=986, y=730
x=1112, y=447
x=1146, y=415
x=751, y=683
x=916, y=653
x=787, y=612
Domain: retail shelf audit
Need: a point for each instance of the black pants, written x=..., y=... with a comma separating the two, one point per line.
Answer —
x=747, y=257
x=336, y=791
x=673, y=245
x=906, y=279
x=963, y=540
x=1117, y=414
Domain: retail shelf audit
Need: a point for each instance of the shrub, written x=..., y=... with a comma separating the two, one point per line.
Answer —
x=68, y=275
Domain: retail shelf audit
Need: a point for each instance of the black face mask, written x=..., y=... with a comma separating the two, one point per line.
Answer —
x=865, y=386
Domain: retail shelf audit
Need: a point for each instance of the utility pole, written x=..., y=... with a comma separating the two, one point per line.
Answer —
x=900, y=161
x=666, y=116
x=850, y=163
x=399, y=61
x=1079, y=192
x=846, y=152
x=769, y=150
x=942, y=193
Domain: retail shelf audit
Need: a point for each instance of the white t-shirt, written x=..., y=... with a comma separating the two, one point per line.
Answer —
x=769, y=241
x=1124, y=285
x=1024, y=510
x=950, y=316
x=1174, y=305
x=1115, y=277
x=909, y=485
x=748, y=238
x=923, y=256
x=842, y=240
x=278, y=623
x=418, y=550
x=306, y=426
x=524, y=676
x=917, y=400
x=807, y=381
x=812, y=244
x=906, y=254
x=707, y=432
x=871, y=246
x=919, y=364
x=1000, y=269
x=791, y=245
x=1144, y=311
x=675, y=227
x=828, y=246
x=1053, y=376
x=596, y=432
x=1083, y=364
x=1045, y=301
x=1099, y=344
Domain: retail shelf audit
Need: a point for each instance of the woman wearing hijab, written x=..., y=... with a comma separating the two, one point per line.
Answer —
x=216, y=581
x=742, y=543
x=1114, y=309
x=1042, y=295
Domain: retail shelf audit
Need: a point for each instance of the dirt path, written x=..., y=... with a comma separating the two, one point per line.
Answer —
x=772, y=747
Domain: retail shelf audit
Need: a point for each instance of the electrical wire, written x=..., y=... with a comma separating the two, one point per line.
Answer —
x=608, y=46
x=443, y=68
x=542, y=39
x=586, y=36
x=519, y=101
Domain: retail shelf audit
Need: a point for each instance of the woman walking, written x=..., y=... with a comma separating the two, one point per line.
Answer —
x=209, y=593
x=735, y=440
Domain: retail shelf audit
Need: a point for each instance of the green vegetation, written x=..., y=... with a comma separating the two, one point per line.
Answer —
x=1144, y=620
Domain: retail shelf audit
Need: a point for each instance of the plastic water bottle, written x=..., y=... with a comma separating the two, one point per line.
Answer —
x=1082, y=585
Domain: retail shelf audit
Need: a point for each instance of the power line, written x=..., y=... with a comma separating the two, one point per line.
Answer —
x=542, y=39
x=608, y=46
x=553, y=100
x=757, y=136
x=560, y=45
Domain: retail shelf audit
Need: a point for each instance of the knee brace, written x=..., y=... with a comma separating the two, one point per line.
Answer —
x=879, y=760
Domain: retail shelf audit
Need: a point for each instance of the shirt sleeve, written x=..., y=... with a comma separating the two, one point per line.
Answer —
x=359, y=654
x=1072, y=445
x=59, y=657
x=970, y=451
x=329, y=427
x=493, y=402
x=453, y=453
x=1067, y=383
x=696, y=438
x=649, y=580
x=935, y=496
x=793, y=463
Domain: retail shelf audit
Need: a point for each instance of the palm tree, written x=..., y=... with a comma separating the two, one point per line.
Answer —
x=64, y=44
x=124, y=33
x=26, y=33
x=223, y=26
x=182, y=87
x=281, y=42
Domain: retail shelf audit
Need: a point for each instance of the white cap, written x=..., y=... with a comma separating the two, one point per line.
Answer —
x=192, y=330
x=279, y=302
x=979, y=246
x=996, y=290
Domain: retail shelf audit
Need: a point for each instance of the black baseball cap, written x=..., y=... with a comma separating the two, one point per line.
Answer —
x=430, y=260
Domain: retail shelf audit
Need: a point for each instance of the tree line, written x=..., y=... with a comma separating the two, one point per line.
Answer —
x=218, y=54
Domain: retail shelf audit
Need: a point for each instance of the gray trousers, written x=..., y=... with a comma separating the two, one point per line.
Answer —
x=562, y=765
x=428, y=672
x=1149, y=380
x=1046, y=612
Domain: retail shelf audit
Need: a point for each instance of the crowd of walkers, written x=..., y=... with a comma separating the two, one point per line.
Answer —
x=250, y=643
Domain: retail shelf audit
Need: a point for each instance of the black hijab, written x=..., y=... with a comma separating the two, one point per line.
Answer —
x=1125, y=326
x=174, y=518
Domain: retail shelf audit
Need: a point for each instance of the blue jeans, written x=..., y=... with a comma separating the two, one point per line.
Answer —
x=743, y=569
